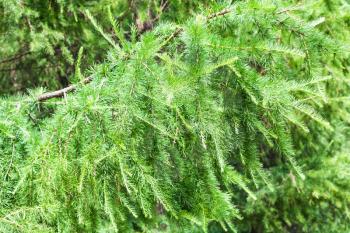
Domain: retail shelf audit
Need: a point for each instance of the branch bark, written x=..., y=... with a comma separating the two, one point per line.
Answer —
x=62, y=92
x=220, y=13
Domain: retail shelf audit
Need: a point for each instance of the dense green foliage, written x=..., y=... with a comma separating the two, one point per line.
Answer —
x=235, y=121
x=40, y=39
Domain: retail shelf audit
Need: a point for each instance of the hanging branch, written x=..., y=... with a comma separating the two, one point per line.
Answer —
x=62, y=92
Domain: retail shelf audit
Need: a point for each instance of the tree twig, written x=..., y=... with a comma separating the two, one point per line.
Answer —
x=220, y=13
x=62, y=92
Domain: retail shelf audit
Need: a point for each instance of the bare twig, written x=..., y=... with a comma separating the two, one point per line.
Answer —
x=220, y=13
x=62, y=92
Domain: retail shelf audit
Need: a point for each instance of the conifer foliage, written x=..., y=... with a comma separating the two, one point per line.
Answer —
x=234, y=120
x=41, y=39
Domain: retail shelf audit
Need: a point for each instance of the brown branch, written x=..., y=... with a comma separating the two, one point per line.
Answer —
x=220, y=13
x=64, y=91
x=18, y=56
